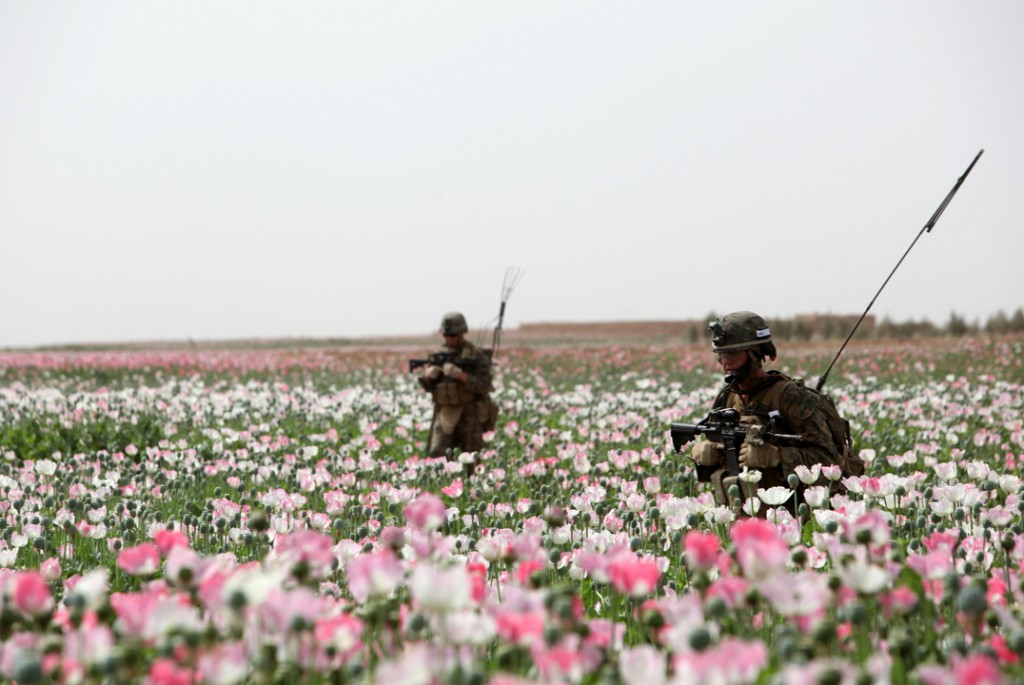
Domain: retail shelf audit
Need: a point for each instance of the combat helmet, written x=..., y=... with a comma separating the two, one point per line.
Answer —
x=742, y=331
x=453, y=323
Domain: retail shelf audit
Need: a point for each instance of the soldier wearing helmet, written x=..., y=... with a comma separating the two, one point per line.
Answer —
x=742, y=341
x=461, y=390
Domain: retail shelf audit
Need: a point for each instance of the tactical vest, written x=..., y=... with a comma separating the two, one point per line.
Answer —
x=450, y=393
x=768, y=396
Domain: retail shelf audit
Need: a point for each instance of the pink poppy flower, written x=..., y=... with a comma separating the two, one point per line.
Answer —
x=21, y=642
x=167, y=672
x=392, y=537
x=425, y=513
x=335, y=502
x=281, y=608
x=701, y=550
x=932, y=566
x=31, y=594
x=605, y=634
x=308, y=546
x=941, y=541
x=51, y=570
x=519, y=628
x=1002, y=650
x=760, y=550
x=871, y=525
x=995, y=591
x=977, y=669
x=632, y=575
x=803, y=597
x=183, y=565
x=455, y=489
x=730, y=589
x=467, y=627
x=561, y=663
x=613, y=522
x=166, y=540
x=730, y=661
x=934, y=674
x=833, y=472
x=374, y=575
x=141, y=560
x=133, y=609
x=212, y=580
x=92, y=587
x=477, y=582
x=899, y=602
x=342, y=632
x=224, y=664
x=172, y=614
x=496, y=546
x=526, y=569
x=90, y=644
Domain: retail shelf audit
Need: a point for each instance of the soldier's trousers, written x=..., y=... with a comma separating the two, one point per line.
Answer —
x=467, y=436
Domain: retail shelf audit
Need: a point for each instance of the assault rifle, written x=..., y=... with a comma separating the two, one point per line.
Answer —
x=442, y=358
x=723, y=426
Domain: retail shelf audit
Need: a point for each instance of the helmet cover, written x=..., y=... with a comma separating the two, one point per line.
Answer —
x=740, y=331
x=453, y=323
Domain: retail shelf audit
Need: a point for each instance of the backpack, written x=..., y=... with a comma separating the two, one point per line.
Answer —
x=839, y=427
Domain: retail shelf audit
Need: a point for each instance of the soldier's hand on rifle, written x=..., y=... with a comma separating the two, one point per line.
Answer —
x=707, y=453
x=455, y=372
x=432, y=373
x=763, y=456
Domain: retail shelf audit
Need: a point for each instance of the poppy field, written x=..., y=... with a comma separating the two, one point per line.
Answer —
x=268, y=516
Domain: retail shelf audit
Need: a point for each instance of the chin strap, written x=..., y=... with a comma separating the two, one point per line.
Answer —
x=740, y=374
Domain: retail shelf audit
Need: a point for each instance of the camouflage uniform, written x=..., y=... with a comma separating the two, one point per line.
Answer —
x=461, y=410
x=800, y=412
x=774, y=400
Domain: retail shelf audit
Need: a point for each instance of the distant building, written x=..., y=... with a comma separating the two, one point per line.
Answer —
x=589, y=329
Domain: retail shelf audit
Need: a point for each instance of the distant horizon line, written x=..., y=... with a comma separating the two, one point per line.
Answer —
x=641, y=327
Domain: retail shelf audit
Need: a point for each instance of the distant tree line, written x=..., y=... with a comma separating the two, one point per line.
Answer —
x=830, y=326
x=998, y=323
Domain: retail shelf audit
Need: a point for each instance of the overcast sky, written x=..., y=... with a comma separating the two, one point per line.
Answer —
x=211, y=170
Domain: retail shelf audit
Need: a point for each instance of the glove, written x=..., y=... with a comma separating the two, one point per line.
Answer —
x=455, y=372
x=432, y=373
x=707, y=453
x=763, y=456
x=749, y=420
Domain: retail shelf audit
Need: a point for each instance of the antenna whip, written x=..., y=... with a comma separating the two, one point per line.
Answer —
x=511, y=280
x=926, y=228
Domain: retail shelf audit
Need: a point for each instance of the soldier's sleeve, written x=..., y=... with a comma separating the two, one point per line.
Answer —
x=479, y=376
x=801, y=410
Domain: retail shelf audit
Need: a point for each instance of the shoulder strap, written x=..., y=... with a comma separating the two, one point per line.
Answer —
x=770, y=382
x=769, y=390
